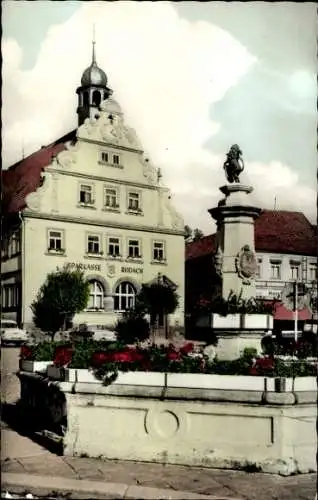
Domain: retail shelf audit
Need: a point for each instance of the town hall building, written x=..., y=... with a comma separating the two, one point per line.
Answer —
x=91, y=200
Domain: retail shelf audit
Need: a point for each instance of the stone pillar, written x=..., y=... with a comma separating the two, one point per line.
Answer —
x=235, y=256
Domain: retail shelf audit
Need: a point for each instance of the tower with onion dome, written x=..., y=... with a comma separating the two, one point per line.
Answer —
x=93, y=90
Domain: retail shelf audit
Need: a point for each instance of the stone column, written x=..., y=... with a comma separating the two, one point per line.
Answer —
x=235, y=256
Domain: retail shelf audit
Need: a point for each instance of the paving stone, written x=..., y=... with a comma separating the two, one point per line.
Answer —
x=12, y=466
x=52, y=466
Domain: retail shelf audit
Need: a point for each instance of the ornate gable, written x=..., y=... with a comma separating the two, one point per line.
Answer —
x=109, y=127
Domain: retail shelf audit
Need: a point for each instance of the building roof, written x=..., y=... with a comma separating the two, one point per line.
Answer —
x=24, y=177
x=275, y=232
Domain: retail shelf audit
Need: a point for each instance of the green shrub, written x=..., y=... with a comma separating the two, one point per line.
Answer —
x=132, y=328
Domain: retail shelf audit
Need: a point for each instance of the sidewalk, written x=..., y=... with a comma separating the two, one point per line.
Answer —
x=26, y=466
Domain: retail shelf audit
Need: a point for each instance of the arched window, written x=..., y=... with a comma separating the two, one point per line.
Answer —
x=86, y=99
x=96, y=97
x=124, y=296
x=96, y=296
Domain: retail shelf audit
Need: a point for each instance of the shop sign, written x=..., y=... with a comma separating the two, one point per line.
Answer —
x=136, y=270
x=84, y=267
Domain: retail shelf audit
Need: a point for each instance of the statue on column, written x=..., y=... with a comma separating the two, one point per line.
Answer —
x=234, y=164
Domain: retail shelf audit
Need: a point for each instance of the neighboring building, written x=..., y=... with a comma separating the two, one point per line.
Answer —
x=286, y=245
x=91, y=200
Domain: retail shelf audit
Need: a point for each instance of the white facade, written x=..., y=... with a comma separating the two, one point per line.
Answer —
x=275, y=270
x=102, y=208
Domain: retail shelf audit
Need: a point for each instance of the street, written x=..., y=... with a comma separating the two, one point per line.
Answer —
x=10, y=387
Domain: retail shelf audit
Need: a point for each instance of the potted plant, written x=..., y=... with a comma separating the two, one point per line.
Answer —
x=37, y=357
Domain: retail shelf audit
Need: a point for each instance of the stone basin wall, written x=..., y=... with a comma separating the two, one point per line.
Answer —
x=273, y=432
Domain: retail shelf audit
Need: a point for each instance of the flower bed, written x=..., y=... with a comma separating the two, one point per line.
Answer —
x=105, y=362
x=158, y=403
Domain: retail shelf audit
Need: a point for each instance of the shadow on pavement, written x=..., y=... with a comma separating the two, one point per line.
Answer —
x=13, y=416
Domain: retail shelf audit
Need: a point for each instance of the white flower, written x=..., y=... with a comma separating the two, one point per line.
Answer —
x=7, y=495
x=210, y=352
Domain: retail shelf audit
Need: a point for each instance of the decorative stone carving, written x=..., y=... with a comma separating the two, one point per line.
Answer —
x=33, y=200
x=177, y=221
x=110, y=127
x=246, y=264
x=149, y=171
x=111, y=270
x=218, y=261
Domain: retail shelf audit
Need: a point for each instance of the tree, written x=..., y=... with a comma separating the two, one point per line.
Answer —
x=156, y=299
x=197, y=234
x=192, y=234
x=187, y=232
x=63, y=294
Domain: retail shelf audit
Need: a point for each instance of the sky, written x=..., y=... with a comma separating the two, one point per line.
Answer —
x=192, y=78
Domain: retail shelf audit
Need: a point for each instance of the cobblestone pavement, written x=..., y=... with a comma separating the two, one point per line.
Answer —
x=22, y=456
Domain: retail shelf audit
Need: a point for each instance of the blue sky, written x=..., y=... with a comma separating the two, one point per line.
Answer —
x=232, y=72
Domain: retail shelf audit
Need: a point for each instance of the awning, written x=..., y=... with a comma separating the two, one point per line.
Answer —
x=283, y=314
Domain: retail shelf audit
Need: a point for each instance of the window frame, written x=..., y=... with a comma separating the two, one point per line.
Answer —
x=164, y=256
x=137, y=192
x=118, y=296
x=259, y=268
x=100, y=243
x=115, y=207
x=129, y=239
x=313, y=271
x=55, y=238
x=120, y=244
x=92, y=194
x=276, y=264
x=105, y=162
x=95, y=295
x=295, y=265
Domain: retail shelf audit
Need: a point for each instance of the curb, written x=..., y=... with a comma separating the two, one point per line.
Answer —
x=85, y=489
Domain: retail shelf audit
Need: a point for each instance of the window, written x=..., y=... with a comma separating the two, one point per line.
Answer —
x=55, y=241
x=312, y=272
x=86, y=194
x=259, y=268
x=96, y=97
x=93, y=244
x=116, y=160
x=134, y=249
x=158, y=253
x=86, y=99
x=5, y=247
x=275, y=270
x=124, y=296
x=10, y=296
x=133, y=201
x=113, y=247
x=111, y=198
x=15, y=244
x=104, y=157
x=295, y=270
x=96, y=296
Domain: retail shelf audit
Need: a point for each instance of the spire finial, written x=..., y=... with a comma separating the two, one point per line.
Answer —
x=93, y=43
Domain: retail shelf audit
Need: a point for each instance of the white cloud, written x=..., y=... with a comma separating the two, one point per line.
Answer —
x=166, y=73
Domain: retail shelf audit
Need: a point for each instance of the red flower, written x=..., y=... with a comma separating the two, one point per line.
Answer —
x=63, y=356
x=100, y=358
x=123, y=357
x=262, y=365
x=174, y=356
x=187, y=348
x=26, y=352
